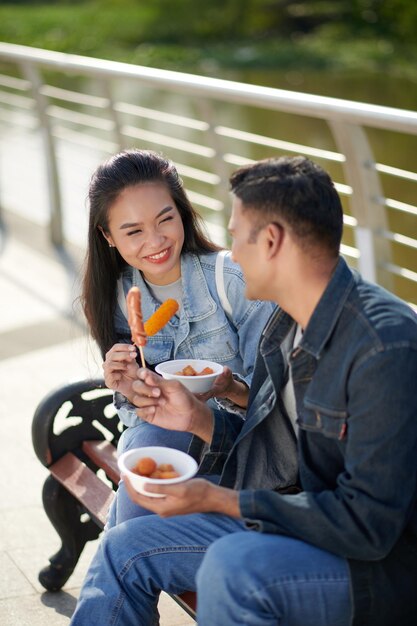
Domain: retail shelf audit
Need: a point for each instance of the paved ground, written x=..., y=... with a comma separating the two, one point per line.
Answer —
x=43, y=344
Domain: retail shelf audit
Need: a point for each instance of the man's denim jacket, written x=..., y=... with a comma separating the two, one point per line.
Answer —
x=202, y=330
x=355, y=383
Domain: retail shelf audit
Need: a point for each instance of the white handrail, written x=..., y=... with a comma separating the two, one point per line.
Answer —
x=289, y=101
x=84, y=118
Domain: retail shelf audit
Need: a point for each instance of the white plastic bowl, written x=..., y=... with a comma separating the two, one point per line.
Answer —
x=196, y=384
x=183, y=463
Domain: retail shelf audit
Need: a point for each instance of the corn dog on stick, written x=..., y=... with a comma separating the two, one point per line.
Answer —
x=161, y=316
x=135, y=320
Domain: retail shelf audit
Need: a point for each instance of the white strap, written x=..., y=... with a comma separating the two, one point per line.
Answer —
x=121, y=298
x=219, y=276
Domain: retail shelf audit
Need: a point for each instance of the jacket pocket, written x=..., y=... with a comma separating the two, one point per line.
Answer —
x=330, y=423
x=158, y=350
x=216, y=344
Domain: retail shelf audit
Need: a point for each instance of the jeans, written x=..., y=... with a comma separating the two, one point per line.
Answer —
x=244, y=578
x=143, y=434
x=263, y=580
x=138, y=558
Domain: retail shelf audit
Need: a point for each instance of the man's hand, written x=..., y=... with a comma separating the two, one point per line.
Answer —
x=192, y=496
x=168, y=404
x=120, y=368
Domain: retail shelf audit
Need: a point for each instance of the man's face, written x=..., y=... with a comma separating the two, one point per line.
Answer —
x=245, y=250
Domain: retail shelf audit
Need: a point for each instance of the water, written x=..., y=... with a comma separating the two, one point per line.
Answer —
x=23, y=177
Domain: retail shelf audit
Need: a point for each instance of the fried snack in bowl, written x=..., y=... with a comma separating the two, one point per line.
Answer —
x=163, y=458
x=188, y=370
x=182, y=369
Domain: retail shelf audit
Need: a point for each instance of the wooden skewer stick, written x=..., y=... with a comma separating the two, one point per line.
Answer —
x=142, y=358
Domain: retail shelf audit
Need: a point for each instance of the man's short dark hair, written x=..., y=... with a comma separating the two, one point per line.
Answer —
x=296, y=192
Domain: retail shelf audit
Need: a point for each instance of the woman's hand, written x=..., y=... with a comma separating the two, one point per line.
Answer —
x=168, y=404
x=225, y=386
x=120, y=368
x=192, y=496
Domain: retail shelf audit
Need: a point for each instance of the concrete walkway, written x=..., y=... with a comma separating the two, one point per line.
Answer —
x=43, y=345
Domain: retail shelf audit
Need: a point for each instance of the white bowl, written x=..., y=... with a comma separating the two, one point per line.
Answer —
x=196, y=384
x=183, y=463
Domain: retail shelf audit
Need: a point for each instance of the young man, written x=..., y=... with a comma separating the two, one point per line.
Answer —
x=315, y=518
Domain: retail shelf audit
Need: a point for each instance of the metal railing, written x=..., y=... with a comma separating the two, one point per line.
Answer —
x=202, y=124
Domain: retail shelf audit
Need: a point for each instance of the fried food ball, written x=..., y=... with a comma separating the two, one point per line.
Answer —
x=171, y=474
x=166, y=467
x=149, y=468
x=145, y=466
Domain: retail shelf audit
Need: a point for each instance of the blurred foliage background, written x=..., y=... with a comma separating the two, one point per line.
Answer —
x=216, y=36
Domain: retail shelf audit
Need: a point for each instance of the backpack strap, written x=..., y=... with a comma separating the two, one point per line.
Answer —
x=219, y=276
x=121, y=298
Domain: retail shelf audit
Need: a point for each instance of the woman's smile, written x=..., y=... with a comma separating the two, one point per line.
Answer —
x=158, y=257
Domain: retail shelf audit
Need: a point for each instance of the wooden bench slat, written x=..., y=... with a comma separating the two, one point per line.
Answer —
x=84, y=485
x=104, y=455
x=188, y=602
x=96, y=496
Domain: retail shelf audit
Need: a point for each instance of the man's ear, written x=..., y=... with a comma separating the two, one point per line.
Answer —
x=274, y=235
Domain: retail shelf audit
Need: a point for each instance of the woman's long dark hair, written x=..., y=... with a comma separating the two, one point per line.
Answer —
x=104, y=264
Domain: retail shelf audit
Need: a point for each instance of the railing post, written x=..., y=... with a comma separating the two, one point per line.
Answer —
x=361, y=175
x=220, y=168
x=114, y=116
x=32, y=74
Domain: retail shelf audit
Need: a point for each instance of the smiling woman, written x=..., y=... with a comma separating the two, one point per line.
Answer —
x=146, y=228
x=144, y=233
x=137, y=201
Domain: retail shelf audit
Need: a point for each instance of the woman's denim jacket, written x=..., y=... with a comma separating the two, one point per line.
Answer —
x=202, y=330
x=355, y=382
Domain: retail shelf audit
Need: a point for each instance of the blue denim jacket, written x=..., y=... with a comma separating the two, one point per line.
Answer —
x=202, y=330
x=355, y=375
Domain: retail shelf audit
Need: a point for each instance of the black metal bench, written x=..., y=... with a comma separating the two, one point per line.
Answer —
x=75, y=431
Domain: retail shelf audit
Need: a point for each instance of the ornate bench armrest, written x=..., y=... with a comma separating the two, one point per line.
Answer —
x=69, y=415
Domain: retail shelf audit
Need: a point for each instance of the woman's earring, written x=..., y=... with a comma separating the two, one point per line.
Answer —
x=111, y=245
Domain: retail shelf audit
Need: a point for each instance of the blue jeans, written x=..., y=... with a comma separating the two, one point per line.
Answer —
x=245, y=578
x=263, y=580
x=143, y=434
x=138, y=558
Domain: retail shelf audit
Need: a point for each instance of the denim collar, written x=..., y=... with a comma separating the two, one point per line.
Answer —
x=197, y=302
x=275, y=332
x=328, y=310
x=322, y=322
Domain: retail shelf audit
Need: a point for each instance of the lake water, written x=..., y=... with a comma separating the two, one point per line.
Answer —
x=23, y=177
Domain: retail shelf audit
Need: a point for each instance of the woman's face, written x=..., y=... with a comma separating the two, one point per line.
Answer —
x=146, y=228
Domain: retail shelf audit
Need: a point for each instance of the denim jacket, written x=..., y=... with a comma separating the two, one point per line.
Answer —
x=202, y=330
x=354, y=374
